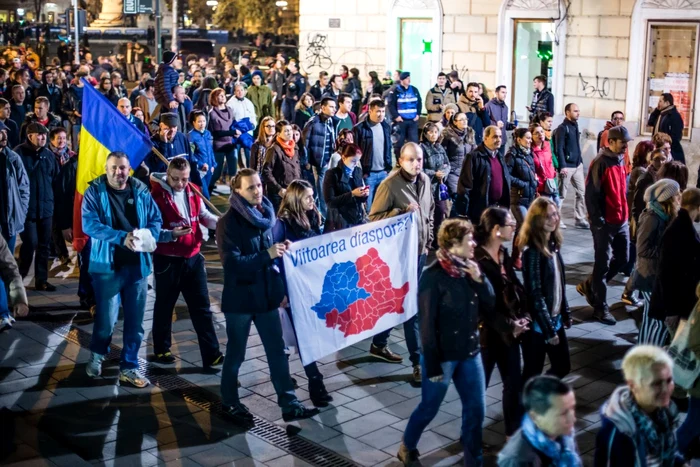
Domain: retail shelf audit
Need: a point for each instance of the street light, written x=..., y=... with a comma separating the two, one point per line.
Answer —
x=212, y=3
x=281, y=3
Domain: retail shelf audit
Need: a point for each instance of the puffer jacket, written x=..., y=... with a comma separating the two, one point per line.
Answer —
x=449, y=316
x=166, y=80
x=315, y=133
x=434, y=160
x=42, y=169
x=538, y=279
x=523, y=179
x=97, y=224
x=201, y=144
x=457, y=146
x=650, y=229
x=17, y=184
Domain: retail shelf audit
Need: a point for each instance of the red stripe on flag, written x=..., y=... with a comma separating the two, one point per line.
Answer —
x=79, y=237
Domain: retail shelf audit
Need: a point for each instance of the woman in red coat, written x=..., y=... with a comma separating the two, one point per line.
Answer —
x=544, y=165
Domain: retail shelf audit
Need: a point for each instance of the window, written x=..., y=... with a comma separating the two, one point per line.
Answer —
x=533, y=55
x=671, y=64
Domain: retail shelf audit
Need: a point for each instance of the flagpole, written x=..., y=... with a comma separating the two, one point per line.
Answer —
x=192, y=185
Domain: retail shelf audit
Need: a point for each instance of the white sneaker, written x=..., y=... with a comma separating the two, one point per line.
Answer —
x=134, y=377
x=6, y=323
x=562, y=225
x=94, y=366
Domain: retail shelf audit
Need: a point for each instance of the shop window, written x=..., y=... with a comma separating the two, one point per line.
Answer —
x=533, y=55
x=671, y=66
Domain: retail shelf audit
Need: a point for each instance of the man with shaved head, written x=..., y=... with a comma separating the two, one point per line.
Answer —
x=124, y=106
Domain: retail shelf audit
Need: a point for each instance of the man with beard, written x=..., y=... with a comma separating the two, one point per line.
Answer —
x=403, y=191
x=116, y=211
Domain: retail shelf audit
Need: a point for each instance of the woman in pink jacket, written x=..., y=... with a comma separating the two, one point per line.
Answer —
x=544, y=165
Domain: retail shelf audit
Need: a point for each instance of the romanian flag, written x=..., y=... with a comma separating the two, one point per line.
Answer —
x=104, y=130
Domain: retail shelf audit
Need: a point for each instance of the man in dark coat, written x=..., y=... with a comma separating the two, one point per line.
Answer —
x=248, y=256
x=666, y=119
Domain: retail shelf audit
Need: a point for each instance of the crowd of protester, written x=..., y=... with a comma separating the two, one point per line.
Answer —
x=304, y=159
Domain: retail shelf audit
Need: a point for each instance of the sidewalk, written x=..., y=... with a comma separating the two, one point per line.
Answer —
x=55, y=415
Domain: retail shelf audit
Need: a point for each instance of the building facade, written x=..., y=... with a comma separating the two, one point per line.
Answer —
x=604, y=55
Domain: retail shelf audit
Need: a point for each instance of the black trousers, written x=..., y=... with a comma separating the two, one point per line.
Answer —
x=58, y=245
x=611, y=246
x=85, y=290
x=187, y=275
x=535, y=348
x=406, y=132
x=36, y=237
x=507, y=357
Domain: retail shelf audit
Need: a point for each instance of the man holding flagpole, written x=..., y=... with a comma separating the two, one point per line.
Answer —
x=119, y=215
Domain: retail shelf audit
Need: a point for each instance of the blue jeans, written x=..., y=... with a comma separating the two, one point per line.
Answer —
x=246, y=154
x=231, y=166
x=373, y=180
x=319, y=173
x=411, y=330
x=128, y=285
x=4, y=306
x=205, y=184
x=690, y=429
x=468, y=376
x=270, y=330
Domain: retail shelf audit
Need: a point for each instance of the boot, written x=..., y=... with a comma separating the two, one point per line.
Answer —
x=317, y=392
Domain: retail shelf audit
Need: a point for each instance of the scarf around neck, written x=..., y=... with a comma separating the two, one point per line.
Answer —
x=656, y=207
x=287, y=146
x=562, y=453
x=263, y=218
x=453, y=265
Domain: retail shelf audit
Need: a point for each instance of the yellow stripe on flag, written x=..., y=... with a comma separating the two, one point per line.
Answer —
x=92, y=157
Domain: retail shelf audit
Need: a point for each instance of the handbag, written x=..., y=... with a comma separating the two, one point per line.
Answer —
x=686, y=366
x=550, y=186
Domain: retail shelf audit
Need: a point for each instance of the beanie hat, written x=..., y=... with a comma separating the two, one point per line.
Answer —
x=169, y=119
x=451, y=107
x=661, y=191
x=169, y=57
x=258, y=73
x=404, y=75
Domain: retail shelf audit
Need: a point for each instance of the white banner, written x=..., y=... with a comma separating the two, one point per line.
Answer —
x=349, y=285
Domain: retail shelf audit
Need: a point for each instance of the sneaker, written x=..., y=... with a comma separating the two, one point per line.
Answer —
x=166, y=358
x=605, y=317
x=384, y=353
x=409, y=457
x=299, y=412
x=583, y=225
x=417, y=375
x=238, y=414
x=295, y=384
x=584, y=290
x=562, y=225
x=631, y=300
x=218, y=361
x=94, y=366
x=134, y=377
x=6, y=323
x=44, y=287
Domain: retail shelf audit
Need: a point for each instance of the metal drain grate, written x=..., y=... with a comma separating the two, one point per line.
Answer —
x=210, y=402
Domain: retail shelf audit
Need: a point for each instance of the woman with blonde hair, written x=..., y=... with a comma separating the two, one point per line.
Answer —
x=266, y=136
x=304, y=109
x=545, y=287
x=299, y=218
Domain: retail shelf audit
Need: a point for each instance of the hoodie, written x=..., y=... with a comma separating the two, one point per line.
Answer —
x=603, y=143
x=618, y=443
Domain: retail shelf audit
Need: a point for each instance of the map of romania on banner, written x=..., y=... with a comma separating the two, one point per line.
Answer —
x=349, y=285
x=104, y=130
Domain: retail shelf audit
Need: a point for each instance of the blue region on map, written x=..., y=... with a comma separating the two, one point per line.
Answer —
x=340, y=289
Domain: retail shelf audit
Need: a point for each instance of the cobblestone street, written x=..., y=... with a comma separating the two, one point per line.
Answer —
x=55, y=415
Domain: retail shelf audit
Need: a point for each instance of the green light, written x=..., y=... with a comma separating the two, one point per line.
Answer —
x=427, y=47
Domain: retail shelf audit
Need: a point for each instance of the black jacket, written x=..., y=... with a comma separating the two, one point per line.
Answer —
x=72, y=103
x=672, y=124
x=343, y=209
x=54, y=122
x=500, y=319
x=42, y=169
x=678, y=271
x=12, y=133
x=18, y=112
x=315, y=139
x=434, y=160
x=644, y=181
x=457, y=147
x=64, y=190
x=538, y=279
x=449, y=310
x=474, y=182
x=252, y=284
x=523, y=179
x=363, y=138
x=317, y=91
x=55, y=97
x=567, y=146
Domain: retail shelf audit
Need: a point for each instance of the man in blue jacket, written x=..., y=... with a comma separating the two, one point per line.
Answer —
x=114, y=207
x=405, y=106
x=166, y=80
x=497, y=110
x=319, y=138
